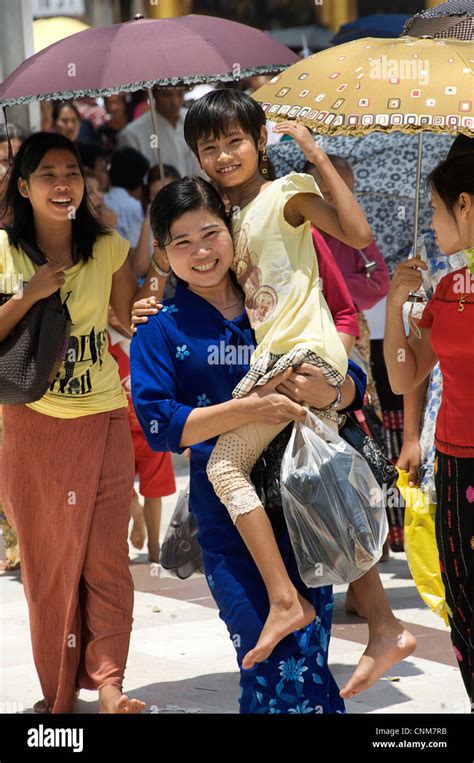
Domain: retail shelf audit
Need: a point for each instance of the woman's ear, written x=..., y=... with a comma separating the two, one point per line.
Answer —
x=465, y=203
x=23, y=187
x=161, y=251
x=262, y=141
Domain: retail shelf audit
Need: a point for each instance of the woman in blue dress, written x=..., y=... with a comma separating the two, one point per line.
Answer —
x=185, y=361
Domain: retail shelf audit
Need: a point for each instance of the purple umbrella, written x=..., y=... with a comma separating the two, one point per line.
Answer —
x=142, y=53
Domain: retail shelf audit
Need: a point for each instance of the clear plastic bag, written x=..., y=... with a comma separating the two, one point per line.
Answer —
x=333, y=506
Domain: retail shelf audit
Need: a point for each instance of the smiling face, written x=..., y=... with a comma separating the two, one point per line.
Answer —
x=453, y=232
x=201, y=249
x=56, y=188
x=231, y=159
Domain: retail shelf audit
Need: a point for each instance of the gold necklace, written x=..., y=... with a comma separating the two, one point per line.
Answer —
x=462, y=299
x=53, y=262
x=227, y=307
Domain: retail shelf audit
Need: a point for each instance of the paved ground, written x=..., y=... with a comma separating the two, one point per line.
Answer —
x=181, y=659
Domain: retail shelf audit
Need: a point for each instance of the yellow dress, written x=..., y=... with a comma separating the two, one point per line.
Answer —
x=276, y=265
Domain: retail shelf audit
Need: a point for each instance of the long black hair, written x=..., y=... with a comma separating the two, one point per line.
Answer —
x=86, y=228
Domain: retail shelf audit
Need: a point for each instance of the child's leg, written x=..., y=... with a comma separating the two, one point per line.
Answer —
x=389, y=641
x=152, y=510
x=229, y=472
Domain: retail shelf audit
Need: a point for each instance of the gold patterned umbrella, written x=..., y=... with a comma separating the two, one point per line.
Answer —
x=402, y=83
x=405, y=83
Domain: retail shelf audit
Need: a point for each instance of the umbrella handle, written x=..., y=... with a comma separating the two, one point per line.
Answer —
x=413, y=296
x=154, y=120
x=10, y=149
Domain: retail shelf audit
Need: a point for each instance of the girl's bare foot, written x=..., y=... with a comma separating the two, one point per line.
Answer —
x=284, y=618
x=154, y=554
x=42, y=708
x=387, y=645
x=112, y=700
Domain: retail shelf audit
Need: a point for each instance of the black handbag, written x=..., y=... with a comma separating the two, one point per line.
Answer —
x=31, y=355
x=180, y=552
x=265, y=475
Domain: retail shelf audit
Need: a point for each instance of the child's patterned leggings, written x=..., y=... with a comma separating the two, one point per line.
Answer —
x=233, y=459
x=454, y=479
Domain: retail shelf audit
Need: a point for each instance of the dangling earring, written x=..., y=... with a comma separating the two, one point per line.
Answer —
x=264, y=163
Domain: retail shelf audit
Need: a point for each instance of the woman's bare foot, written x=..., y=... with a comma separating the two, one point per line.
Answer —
x=352, y=605
x=138, y=532
x=284, y=618
x=387, y=645
x=154, y=554
x=42, y=708
x=112, y=700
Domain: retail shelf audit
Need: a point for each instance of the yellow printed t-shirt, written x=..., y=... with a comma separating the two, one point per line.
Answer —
x=277, y=268
x=87, y=381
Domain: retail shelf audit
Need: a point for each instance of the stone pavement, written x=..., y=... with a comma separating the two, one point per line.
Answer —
x=182, y=660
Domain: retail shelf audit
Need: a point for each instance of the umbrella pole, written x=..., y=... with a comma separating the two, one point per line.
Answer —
x=154, y=120
x=413, y=296
x=417, y=192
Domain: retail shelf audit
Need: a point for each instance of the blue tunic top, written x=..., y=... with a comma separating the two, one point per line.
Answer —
x=190, y=356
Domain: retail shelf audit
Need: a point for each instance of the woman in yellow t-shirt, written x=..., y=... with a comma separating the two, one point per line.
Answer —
x=67, y=465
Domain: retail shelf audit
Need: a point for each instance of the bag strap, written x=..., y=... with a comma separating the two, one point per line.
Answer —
x=32, y=253
x=39, y=259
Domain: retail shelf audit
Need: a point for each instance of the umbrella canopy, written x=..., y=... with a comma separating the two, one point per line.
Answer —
x=142, y=53
x=405, y=83
x=375, y=25
x=454, y=18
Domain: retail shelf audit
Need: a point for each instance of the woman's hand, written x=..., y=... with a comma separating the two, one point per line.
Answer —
x=300, y=134
x=47, y=279
x=406, y=278
x=142, y=309
x=308, y=386
x=409, y=460
x=265, y=405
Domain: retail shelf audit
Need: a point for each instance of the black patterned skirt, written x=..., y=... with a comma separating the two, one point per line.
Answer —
x=454, y=478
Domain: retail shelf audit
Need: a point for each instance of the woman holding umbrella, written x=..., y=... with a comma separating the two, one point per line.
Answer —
x=67, y=464
x=446, y=335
